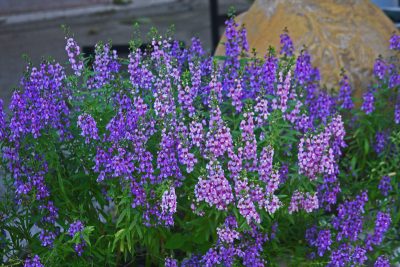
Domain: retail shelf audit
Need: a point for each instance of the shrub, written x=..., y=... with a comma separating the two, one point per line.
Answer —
x=174, y=157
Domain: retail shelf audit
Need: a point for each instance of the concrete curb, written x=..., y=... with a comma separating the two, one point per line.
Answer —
x=76, y=12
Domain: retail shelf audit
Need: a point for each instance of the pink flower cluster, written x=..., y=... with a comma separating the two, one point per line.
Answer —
x=168, y=206
x=305, y=201
x=317, y=152
x=215, y=190
x=218, y=139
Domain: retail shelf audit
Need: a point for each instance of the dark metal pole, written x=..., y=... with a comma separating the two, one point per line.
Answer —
x=214, y=23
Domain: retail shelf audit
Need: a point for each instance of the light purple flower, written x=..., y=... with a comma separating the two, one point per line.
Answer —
x=74, y=52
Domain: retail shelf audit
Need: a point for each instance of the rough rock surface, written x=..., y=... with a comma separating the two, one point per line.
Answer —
x=347, y=34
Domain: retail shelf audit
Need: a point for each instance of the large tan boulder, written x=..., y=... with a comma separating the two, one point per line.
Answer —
x=338, y=33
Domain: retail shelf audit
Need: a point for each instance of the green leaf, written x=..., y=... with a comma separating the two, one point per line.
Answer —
x=176, y=241
x=366, y=146
x=87, y=239
x=119, y=234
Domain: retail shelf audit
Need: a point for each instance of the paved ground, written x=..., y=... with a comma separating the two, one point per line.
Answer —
x=40, y=35
x=24, y=6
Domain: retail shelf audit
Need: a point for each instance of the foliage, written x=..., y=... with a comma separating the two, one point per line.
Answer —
x=172, y=157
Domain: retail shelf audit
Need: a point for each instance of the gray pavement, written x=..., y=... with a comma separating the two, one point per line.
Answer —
x=24, y=6
x=39, y=35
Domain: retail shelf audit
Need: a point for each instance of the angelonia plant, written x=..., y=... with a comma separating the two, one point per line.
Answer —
x=172, y=157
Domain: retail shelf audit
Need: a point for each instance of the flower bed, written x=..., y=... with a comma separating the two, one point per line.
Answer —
x=186, y=159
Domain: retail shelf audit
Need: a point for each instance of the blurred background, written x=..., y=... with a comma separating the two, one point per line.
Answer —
x=33, y=27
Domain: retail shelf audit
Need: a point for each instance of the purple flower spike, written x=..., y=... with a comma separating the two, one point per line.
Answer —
x=395, y=42
x=345, y=93
x=287, y=47
x=368, y=105
x=33, y=262
x=382, y=261
x=88, y=127
x=385, y=185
